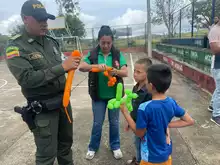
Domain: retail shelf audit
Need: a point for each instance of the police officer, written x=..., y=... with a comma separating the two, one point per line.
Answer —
x=34, y=59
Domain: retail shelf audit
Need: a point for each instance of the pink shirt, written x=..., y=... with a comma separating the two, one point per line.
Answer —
x=214, y=37
x=214, y=34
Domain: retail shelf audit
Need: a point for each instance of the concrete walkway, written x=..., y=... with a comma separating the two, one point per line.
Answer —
x=198, y=144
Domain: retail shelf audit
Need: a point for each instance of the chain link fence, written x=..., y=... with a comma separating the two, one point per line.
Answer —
x=124, y=36
x=194, y=19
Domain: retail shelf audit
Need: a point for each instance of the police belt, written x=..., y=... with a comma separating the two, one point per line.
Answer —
x=47, y=105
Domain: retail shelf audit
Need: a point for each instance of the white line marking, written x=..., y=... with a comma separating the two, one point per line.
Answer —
x=5, y=83
x=84, y=86
x=132, y=67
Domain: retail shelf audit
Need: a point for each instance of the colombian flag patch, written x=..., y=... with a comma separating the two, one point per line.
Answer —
x=12, y=52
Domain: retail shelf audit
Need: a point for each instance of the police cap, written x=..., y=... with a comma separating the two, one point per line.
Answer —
x=37, y=10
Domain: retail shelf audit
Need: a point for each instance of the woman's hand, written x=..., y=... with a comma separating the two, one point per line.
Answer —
x=102, y=67
x=123, y=72
x=113, y=72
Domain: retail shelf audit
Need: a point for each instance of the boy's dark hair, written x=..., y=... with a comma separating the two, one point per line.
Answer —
x=160, y=75
x=146, y=61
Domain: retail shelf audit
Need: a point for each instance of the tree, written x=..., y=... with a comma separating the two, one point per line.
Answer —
x=3, y=41
x=60, y=7
x=203, y=13
x=164, y=13
x=76, y=26
x=69, y=6
x=71, y=13
x=16, y=29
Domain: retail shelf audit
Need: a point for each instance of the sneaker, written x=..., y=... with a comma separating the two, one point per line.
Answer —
x=90, y=155
x=216, y=120
x=210, y=108
x=117, y=154
x=132, y=162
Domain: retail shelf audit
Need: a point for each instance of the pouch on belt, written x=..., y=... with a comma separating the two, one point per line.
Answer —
x=52, y=103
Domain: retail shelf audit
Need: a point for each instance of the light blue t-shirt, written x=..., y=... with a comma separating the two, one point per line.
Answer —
x=155, y=115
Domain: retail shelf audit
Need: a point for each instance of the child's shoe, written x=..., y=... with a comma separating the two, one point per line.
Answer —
x=117, y=154
x=90, y=155
x=132, y=161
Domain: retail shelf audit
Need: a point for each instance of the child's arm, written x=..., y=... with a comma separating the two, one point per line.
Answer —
x=168, y=136
x=184, y=121
x=138, y=132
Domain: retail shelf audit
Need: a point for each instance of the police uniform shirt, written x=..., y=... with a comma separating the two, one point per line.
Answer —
x=36, y=64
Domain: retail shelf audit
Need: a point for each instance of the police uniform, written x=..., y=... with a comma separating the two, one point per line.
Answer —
x=36, y=64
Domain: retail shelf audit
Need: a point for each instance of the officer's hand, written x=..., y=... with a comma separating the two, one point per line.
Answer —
x=71, y=63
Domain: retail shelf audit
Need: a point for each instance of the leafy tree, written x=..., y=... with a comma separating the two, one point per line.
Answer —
x=16, y=30
x=164, y=13
x=70, y=10
x=3, y=41
x=203, y=13
x=69, y=6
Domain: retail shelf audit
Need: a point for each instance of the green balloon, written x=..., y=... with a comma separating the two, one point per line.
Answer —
x=123, y=100
x=110, y=106
x=117, y=104
x=119, y=91
x=134, y=96
x=128, y=91
x=112, y=101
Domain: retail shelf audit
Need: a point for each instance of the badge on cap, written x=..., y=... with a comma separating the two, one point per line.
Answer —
x=38, y=6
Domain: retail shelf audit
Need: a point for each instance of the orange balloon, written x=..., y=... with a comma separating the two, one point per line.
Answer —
x=68, y=85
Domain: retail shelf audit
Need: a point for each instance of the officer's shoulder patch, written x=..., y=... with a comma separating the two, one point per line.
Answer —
x=12, y=51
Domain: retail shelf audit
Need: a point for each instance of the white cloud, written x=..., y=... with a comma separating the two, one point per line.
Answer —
x=136, y=19
x=8, y=24
x=130, y=17
x=88, y=20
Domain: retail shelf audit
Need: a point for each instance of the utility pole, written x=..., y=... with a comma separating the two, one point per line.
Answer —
x=169, y=17
x=149, y=52
x=193, y=17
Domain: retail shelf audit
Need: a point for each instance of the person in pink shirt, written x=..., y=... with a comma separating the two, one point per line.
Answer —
x=214, y=41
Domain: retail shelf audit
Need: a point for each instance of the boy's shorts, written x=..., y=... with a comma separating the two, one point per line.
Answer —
x=168, y=162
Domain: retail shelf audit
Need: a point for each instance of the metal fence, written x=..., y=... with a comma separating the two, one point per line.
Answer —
x=124, y=36
x=194, y=19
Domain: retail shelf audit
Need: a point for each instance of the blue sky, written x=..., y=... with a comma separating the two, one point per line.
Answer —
x=93, y=13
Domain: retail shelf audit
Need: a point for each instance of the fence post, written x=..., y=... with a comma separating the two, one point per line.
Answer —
x=93, y=38
x=145, y=35
x=180, y=30
x=149, y=45
x=193, y=16
x=213, y=10
x=127, y=36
